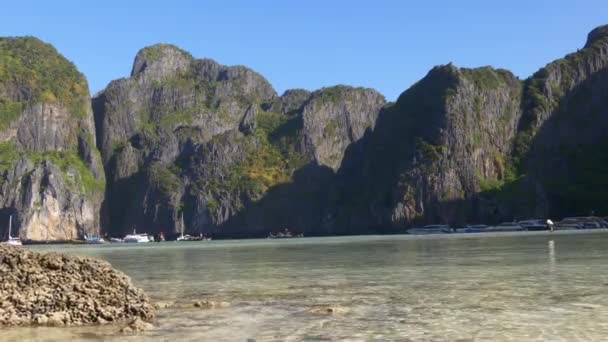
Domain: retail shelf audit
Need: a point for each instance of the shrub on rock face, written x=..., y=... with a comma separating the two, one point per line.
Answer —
x=55, y=289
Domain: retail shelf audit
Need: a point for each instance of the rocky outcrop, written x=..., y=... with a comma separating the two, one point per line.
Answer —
x=52, y=178
x=471, y=145
x=433, y=150
x=214, y=144
x=152, y=126
x=37, y=196
x=218, y=146
x=465, y=151
x=336, y=117
x=54, y=289
x=561, y=142
x=292, y=101
x=196, y=139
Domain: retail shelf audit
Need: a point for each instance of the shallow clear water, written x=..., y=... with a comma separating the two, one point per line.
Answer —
x=519, y=287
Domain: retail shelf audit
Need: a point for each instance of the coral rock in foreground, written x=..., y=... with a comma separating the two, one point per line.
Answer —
x=55, y=289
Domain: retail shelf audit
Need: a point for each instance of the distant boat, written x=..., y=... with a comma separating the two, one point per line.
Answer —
x=430, y=229
x=534, y=225
x=94, y=240
x=506, y=227
x=476, y=228
x=186, y=237
x=136, y=238
x=116, y=240
x=286, y=234
x=14, y=241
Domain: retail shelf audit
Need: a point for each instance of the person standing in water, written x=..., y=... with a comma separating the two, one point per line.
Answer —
x=550, y=224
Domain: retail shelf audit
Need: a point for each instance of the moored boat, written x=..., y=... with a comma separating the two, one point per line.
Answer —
x=136, y=238
x=286, y=234
x=93, y=240
x=430, y=229
x=476, y=228
x=534, y=225
x=506, y=227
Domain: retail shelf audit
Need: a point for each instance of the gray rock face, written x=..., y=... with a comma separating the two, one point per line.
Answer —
x=476, y=145
x=217, y=145
x=149, y=128
x=597, y=34
x=470, y=147
x=207, y=141
x=46, y=204
x=42, y=127
x=247, y=124
x=431, y=150
x=563, y=132
x=51, y=177
x=159, y=61
x=292, y=101
x=58, y=290
x=218, y=194
x=336, y=117
x=545, y=88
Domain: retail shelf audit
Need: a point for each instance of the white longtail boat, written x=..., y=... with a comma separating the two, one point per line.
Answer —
x=136, y=237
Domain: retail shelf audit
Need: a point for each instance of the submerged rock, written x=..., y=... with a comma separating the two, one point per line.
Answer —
x=329, y=310
x=210, y=304
x=163, y=304
x=135, y=326
x=56, y=290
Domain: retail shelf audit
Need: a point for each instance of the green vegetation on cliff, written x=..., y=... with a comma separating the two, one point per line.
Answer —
x=271, y=158
x=155, y=52
x=33, y=71
x=544, y=90
x=488, y=78
x=8, y=155
x=166, y=179
x=9, y=112
x=74, y=171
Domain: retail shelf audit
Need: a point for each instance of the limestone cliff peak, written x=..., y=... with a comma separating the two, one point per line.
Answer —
x=597, y=34
x=159, y=60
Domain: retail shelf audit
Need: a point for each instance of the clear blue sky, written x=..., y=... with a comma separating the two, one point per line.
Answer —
x=387, y=45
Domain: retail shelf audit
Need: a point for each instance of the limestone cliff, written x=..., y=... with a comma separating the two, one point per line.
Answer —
x=217, y=145
x=185, y=136
x=561, y=144
x=432, y=151
x=52, y=179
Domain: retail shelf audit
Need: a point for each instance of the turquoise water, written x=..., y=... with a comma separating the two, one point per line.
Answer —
x=512, y=287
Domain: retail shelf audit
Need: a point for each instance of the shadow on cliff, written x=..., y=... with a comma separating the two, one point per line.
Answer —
x=300, y=206
x=133, y=204
x=358, y=198
x=568, y=157
x=563, y=172
x=120, y=205
x=5, y=214
x=370, y=179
